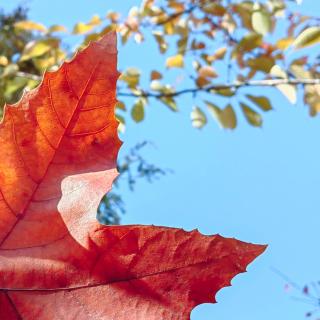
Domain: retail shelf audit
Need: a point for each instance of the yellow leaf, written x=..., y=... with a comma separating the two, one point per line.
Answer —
x=175, y=61
x=95, y=20
x=3, y=61
x=307, y=37
x=37, y=48
x=82, y=28
x=284, y=43
x=312, y=98
x=30, y=26
x=57, y=28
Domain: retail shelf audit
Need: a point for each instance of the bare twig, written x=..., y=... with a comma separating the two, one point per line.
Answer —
x=223, y=86
x=28, y=76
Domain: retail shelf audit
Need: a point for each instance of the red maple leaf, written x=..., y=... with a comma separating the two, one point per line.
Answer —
x=58, y=155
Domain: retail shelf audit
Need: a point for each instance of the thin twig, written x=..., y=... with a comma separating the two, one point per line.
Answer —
x=211, y=88
x=28, y=76
x=223, y=86
x=177, y=15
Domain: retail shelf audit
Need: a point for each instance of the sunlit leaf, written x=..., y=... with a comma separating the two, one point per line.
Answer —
x=30, y=26
x=3, y=61
x=38, y=48
x=312, y=98
x=131, y=76
x=198, y=118
x=57, y=28
x=261, y=21
x=122, y=123
x=307, y=37
x=284, y=43
x=176, y=61
x=82, y=28
x=289, y=91
x=278, y=72
x=10, y=70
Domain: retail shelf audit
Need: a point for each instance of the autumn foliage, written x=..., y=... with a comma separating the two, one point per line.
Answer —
x=58, y=158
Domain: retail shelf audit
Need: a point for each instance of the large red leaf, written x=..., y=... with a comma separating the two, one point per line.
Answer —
x=58, y=153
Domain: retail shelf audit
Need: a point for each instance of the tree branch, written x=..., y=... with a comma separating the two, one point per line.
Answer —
x=216, y=87
x=177, y=15
x=195, y=90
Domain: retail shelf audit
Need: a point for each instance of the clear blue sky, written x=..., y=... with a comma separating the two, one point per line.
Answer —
x=256, y=185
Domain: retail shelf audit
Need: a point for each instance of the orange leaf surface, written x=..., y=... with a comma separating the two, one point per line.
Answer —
x=58, y=156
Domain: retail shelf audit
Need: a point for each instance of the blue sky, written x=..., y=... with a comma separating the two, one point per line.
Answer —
x=258, y=185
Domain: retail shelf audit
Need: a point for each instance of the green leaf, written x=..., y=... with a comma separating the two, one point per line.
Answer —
x=262, y=102
x=38, y=48
x=198, y=118
x=307, y=37
x=226, y=117
x=137, y=111
x=252, y=116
